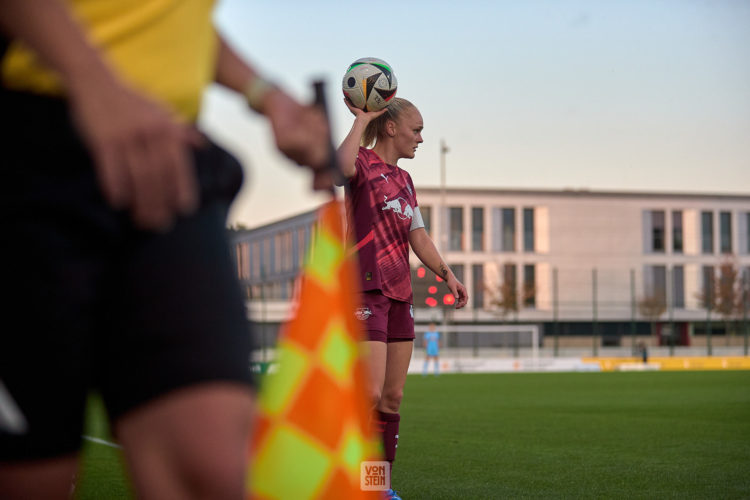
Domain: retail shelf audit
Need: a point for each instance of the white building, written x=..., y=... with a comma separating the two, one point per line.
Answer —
x=582, y=262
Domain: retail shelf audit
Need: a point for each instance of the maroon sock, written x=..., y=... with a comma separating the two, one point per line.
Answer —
x=389, y=428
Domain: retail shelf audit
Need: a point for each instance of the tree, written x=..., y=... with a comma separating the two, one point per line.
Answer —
x=505, y=297
x=725, y=294
x=728, y=293
x=651, y=307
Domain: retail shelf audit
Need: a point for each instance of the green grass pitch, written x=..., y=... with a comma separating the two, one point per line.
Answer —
x=563, y=435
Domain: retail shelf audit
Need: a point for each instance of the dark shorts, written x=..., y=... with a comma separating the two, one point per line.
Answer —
x=95, y=304
x=385, y=319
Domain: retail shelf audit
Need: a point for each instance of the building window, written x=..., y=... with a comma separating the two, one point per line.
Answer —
x=477, y=229
x=725, y=232
x=678, y=287
x=477, y=275
x=528, y=229
x=243, y=260
x=278, y=253
x=656, y=284
x=707, y=232
x=507, y=294
x=456, y=235
x=458, y=271
x=657, y=231
x=301, y=247
x=677, y=244
x=255, y=259
x=509, y=230
x=709, y=283
x=529, y=285
x=289, y=251
x=266, y=258
x=426, y=218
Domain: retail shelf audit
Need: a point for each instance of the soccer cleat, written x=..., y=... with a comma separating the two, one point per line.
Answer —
x=391, y=494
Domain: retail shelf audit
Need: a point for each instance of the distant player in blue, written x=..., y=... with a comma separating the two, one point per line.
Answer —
x=432, y=346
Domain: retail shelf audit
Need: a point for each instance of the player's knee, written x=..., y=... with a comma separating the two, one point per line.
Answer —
x=375, y=397
x=391, y=399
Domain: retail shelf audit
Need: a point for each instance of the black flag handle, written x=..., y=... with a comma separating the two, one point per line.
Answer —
x=333, y=160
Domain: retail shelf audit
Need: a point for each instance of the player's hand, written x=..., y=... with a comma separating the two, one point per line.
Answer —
x=141, y=153
x=361, y=113
x=458, y=290
x=301, y=134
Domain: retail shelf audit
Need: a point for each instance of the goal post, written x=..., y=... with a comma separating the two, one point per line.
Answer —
x=531, y=331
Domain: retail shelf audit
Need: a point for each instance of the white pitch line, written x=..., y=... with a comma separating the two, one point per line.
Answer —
x=101, y=441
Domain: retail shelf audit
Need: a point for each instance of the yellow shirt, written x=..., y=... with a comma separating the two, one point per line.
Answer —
x=164, y=48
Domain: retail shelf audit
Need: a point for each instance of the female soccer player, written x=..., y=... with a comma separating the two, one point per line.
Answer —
x=383, y=211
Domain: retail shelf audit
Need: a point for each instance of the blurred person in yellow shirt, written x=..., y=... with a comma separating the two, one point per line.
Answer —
x=113, y=207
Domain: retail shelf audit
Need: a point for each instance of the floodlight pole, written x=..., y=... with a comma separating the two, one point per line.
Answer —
x=443, y=226
x=670, y=305
x=632, y=309
x=556, y=317
x=443, y=243
x=745, y=290
x=595, y=313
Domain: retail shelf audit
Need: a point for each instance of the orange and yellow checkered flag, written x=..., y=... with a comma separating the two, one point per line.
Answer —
x=312, y=431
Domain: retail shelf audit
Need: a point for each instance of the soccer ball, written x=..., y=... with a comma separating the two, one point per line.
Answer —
x=369, y=84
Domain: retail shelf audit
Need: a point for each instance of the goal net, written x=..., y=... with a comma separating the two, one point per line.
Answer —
x=487, y=337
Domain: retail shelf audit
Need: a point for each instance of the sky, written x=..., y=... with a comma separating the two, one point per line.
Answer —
x=637, y=95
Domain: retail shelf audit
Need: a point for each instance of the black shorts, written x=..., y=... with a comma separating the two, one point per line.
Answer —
x=95, y=304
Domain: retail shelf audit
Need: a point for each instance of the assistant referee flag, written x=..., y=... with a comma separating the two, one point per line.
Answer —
x=313, y=433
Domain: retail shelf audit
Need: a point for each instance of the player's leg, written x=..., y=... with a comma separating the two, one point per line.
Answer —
x=373, y=315
x=191, y=443
x=376, y=361
x=177, y=379
x=397, y=365
x=54, y=236
x=398, y=357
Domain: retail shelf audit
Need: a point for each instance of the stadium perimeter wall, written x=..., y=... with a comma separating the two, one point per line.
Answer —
x=582, y=364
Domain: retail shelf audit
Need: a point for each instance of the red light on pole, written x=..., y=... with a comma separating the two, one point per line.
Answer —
x=432, y=289
x=420, y=272
x=430, y=301
x=449, y=299
x=439, y=279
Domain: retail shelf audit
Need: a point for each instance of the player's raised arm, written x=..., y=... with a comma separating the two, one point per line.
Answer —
x=349, y=148
x=425, y=250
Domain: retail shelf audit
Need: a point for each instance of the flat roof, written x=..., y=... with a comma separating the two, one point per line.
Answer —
x=583, y=192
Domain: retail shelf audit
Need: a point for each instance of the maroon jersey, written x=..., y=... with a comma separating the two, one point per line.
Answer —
x=381, y=202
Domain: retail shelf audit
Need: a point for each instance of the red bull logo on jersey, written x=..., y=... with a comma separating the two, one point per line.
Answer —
x=399, y=206
x=363, y=313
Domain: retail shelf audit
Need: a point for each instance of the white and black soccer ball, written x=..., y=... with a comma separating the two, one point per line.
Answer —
x=369, y=83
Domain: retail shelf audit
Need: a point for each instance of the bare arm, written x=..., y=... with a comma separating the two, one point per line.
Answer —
x=300, y=131
x=139, y=149
x=349, y=148
x=425, y=250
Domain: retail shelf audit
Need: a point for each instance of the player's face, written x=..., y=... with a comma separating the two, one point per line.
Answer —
x=408, y=133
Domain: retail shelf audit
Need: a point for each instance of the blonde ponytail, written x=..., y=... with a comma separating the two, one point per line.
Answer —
x=376, y=128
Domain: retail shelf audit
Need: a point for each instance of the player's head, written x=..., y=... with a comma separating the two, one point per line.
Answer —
x=431, y=326
x=401, y=123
